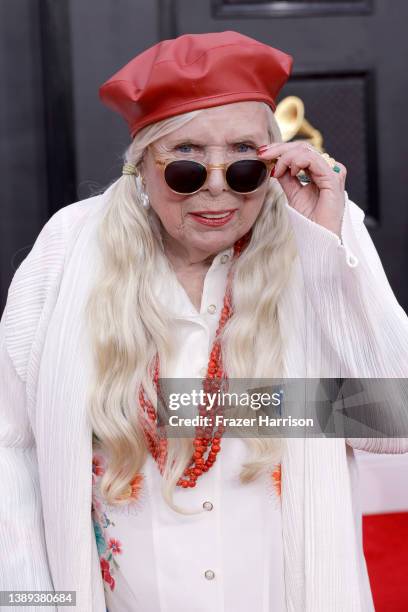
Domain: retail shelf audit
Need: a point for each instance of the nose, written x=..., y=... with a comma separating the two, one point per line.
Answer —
x=215, y=183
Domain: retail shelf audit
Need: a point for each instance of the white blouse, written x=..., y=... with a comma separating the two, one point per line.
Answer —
x=154, y=559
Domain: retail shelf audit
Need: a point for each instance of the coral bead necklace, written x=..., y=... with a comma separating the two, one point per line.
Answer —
x=204, y=439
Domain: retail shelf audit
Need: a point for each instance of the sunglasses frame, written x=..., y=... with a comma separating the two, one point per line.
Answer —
x=163, y=163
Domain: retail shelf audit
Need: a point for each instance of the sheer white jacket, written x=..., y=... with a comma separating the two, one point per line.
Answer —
x=340, y=318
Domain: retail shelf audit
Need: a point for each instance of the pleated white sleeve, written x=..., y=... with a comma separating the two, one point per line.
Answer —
x=358, y=313
x=23, y=560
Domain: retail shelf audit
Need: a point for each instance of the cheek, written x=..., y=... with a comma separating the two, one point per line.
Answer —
x=251, y=208
x=171, y=216
x=167, y=206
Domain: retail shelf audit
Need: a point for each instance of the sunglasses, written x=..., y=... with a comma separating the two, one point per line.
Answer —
x=186, y=176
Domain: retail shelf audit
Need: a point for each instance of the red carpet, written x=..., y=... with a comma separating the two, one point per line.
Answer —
x=385, y=538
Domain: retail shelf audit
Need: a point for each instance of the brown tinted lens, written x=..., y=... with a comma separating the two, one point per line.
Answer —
x=185, y=176
x=246, y=175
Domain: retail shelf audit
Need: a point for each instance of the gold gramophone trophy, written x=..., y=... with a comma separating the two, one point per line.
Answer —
x=290, y=116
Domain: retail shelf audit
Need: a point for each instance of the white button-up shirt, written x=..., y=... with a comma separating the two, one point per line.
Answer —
x=227, y=557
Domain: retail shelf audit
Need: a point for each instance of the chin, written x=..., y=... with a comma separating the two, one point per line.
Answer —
x=229, y=237
x=221, y=246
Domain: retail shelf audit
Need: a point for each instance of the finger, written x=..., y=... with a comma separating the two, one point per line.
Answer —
x=317, y=168
x=303, y=155
x=320, y=172
x=291, y=186
x=294, y=169
x=274, y=150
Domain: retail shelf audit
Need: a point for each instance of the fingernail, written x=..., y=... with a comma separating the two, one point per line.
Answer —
x=262, y=148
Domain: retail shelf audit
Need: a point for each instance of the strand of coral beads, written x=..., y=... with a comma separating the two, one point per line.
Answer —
x=204, y=440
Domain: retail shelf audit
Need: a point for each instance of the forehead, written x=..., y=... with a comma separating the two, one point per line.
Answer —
x=230, y=122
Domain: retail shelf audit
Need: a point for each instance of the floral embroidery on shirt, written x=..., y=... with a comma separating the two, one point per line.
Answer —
x=108, y=547
x=106, y=550
x=276, y=479
x=115, y=546
x=132, y=491
x=100, y=540
x=109, y=564
x=101, y=521
x=134, y=488
x=97, y=469
x=106, y=573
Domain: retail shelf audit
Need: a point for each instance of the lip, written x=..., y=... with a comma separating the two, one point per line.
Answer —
x=213, y=222
x=212, y=212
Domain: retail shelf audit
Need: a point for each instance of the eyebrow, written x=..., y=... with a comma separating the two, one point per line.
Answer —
x=194, y=141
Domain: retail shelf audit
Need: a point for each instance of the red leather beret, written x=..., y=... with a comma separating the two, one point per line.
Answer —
x=195, y=71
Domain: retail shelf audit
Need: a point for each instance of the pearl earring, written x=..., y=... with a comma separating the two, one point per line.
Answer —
x=145, y=200
x=141, y=188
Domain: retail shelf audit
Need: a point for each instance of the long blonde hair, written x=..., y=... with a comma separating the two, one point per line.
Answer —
x=124, y=345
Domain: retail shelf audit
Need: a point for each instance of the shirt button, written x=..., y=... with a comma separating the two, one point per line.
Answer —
x=224, y=259
x=352, y=260
x=209, y=574
x=207, y=505
x=211, y=308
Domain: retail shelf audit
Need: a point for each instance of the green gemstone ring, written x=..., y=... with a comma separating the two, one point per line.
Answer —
x=336, y=169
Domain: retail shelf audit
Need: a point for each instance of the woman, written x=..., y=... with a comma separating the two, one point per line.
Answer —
x=195, y=263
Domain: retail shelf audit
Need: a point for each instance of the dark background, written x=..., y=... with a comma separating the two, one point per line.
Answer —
x=58, y=143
